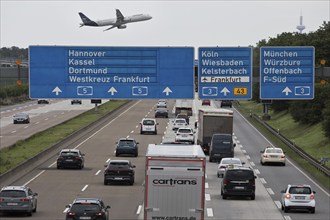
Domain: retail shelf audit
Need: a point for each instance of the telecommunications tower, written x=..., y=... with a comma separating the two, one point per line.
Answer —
x=301, y=27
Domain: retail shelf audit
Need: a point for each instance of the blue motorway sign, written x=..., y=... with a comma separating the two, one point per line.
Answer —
x=287, y=72
x=225, y=72
x=111, y=72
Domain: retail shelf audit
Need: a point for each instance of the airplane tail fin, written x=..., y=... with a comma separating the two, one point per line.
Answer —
x=86, y=21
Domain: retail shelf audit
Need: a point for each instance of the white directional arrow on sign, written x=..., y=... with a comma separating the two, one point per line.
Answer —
x=225, y=91
x=112, y=90
x=167, y=91
x=286, y=90
x=57, y=90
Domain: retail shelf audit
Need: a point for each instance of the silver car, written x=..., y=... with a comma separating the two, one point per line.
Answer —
x=227, y=161
x=21, y=118
x=18, y=199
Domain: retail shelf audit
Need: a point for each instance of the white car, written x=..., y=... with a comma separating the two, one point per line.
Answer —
x=225, y=162
x=298, y=197
x=272, y=155
x=185, y=134
x=148, y=125
x=178, y=123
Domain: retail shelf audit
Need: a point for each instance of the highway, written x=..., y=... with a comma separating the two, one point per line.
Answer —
x=42, y=116
x=57, y=188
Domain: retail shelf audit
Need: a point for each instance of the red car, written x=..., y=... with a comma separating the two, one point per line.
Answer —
x=206, y=102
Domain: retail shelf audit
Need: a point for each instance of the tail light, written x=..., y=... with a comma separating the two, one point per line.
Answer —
x=225, y=182
x=252, y=182
x=71, y=213
x=191, y=134
x=2, y=199
x=283, y=156
x=312, y=196
x=288, y=196
x=25, y=199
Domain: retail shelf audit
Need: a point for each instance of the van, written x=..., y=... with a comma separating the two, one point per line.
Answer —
x=221, y=146
x=238, y=181
x=148, y=125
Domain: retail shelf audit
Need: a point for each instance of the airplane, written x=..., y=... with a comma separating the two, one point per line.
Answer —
x=118, y=22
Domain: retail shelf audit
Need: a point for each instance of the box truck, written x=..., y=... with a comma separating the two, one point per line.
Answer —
x=184, y=106
x=213, y=121
x=174, y=182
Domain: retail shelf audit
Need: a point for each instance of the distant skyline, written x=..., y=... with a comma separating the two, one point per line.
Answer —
x=195, y=23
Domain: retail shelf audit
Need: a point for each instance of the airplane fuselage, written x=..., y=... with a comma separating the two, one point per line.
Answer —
x=128, y=19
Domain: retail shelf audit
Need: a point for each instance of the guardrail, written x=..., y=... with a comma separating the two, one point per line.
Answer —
x=317, y=164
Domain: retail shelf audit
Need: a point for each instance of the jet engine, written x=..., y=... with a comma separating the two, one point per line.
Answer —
x=122, y=26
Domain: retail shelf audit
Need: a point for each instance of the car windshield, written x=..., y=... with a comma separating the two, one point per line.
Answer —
x=69, y=153
x=12, y=193
x=300, y=190
x=126, y=143
x=239, y=175
x=184, y=131
x=180, y=121
x=148, y=122
x=85, y=207
x=118, y=163
x=20, y=115
x=231, y=162
x=272, y=150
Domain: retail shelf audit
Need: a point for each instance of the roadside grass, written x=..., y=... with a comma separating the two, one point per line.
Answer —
x=308, y=137
x=25, y=149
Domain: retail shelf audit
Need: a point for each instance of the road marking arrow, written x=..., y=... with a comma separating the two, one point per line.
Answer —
x=225, y=91
x=167, y=91
x=286, y=90
x=57, y=90
x=112, y=90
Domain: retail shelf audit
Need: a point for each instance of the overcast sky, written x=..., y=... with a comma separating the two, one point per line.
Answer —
x=175, y=23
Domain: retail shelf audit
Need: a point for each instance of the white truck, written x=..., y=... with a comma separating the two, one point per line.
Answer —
x=174, y=182
x=184, y=106
x=213, y=121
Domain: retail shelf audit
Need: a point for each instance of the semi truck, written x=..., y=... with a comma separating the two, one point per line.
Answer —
x=213, y=121
x=184, y=106
x=174, y=182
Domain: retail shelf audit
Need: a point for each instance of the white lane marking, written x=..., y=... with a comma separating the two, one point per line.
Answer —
x=35, y=177
x=252, y=164
x=278, y=204
x=206, y=185
x=270, y=191
x=55, y=116
x=97, y=173
x=66, y=210
x=138, y=211
x=14, y=109
x=146, y=116
x=241, y=146
x=263, y=181
x=248, y=157
x=85, y=187
x=205, y=176
x=286, y=217
x=325, y=192
x=62, y=113
x=132, y=132
x=137, y=126
x=257, y=171
x=46, y=119
x=238, y=142
x=26, y=127
x=244, y=151
x=37, y=122
x=108, y=160
x=234, y=136
x=207, y=197
x=127, y=136
x=209, y=212
x=13, y=132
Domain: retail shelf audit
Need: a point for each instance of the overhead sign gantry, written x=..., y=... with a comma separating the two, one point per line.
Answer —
x=111, y=72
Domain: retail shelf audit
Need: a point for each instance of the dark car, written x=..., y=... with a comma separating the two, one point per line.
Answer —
x=238, y=181
x=226, y=103
x=76, y=101
x=161, y=111
x=21, y=118
x=119, y=171
x=15, y=199
x=43, y=101
x=87, y=208
x=70, y=158
x=127, y=146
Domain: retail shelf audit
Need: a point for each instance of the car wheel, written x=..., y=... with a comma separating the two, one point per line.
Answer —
x=224, y=196
x=286, y=209
x=211, y=159
x=131, y=182
x=58, y=167
x=29, y=213
x=313, y=210
x=262, y=163
x=282, y=207
x=218, y=175
x=136, y=154
x=105, y=182
x=253, y=197
x=283, y=164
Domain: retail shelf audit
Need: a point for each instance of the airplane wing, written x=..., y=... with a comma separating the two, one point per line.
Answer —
x=120, y=16
x=110, y=27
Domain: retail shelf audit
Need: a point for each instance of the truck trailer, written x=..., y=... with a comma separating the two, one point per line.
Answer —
x=213, y=121
x=184, y=106
x=174, y=182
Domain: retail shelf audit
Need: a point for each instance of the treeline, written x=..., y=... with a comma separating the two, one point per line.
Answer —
x=14, y=53
x=304, y=111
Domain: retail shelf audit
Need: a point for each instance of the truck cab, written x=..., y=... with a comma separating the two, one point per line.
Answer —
x=221, y=146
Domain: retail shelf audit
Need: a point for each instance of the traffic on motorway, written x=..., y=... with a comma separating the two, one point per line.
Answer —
x=103, y=175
